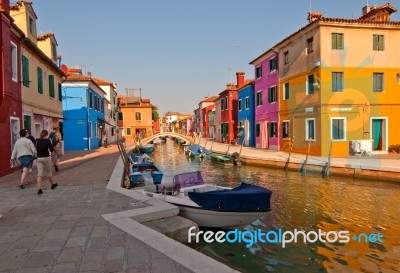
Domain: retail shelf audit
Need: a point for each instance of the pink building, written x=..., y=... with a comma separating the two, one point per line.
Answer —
x=266, y=89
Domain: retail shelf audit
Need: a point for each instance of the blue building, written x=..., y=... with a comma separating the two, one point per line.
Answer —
x=83, y=110
x=246, y=115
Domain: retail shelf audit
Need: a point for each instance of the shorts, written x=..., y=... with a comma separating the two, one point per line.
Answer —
x=57, y=151
x=44, y=166
x=25, y=160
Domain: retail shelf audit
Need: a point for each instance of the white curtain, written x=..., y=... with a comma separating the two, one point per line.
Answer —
x=264, y=134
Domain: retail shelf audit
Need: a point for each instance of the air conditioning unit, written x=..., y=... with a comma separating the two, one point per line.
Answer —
x=317, y=64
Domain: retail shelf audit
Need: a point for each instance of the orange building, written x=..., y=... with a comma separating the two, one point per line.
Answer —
x=134, y=117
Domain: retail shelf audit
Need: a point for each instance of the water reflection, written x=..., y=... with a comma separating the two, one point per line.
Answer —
x=308, y=203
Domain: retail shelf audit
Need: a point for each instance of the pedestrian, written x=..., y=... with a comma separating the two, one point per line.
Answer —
x=44, y=149
x=32, y=138
x=24, y=151
x=55, y=138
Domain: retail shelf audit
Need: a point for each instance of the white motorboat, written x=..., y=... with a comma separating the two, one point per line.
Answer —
x=214, y=206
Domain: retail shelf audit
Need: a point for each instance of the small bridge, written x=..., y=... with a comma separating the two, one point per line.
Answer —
x=172, y=134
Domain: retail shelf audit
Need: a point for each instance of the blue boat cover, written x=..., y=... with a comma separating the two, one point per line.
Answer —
x=244, y=198
x=197, y=149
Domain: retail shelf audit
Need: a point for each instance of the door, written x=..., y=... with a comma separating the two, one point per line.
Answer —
x=27, y=123
x=264, y=135
x=246, y=132
x=224, y=131
x=377, y=133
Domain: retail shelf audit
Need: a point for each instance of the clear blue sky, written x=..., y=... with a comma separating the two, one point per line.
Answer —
x=177, y=51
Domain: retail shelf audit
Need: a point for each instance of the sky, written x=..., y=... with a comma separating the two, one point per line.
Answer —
x=176, y=52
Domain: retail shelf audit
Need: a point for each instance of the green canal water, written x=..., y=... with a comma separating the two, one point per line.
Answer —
x=306, y=203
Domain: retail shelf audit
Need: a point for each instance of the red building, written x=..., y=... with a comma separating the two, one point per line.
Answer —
x=229, y=109
x=10, y=97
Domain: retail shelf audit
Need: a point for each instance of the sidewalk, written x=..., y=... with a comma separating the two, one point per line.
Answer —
x=63, y=229
x=386, y=165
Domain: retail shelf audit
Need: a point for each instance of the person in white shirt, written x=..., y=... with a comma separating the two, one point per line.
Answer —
x=24, y=151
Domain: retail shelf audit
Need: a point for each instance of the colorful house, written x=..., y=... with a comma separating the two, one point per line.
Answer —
x=10, y=94
x=266, y=85
x=205, y=105
x=246, y=115
x=135, y=117
x=334, y=91
x=41, y=76
x=83, y=108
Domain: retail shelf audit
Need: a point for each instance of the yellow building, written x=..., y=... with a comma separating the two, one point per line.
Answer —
x=134, y=117
x=40, y=76
x=340, y=83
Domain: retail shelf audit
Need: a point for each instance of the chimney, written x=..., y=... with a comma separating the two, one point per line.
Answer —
x=366, y=9
x=89, y=74
x=239, y=79
x=314, y=16
x=5, y=6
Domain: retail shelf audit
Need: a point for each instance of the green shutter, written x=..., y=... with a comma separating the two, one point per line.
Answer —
x=59, y=92
x=25, y=71
x=375, y=42
x=40, y=80
x=51, y=86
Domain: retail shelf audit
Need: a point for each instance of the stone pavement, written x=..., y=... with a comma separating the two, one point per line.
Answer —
x=63, y=229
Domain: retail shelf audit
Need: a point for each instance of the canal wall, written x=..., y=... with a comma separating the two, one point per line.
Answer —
x=365, y=167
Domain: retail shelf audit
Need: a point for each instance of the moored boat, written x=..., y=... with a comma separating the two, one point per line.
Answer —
x=196, y=150
x=146, y=172
x=227, y=160
x=148, y=148
x=215, y=206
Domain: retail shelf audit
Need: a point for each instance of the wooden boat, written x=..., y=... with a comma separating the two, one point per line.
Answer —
x=145, y=172
x=227, y=160
x=148, y=148
x=196, y=150
x=215, y=206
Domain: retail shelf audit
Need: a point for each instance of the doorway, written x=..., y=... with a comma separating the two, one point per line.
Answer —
x=379, y=134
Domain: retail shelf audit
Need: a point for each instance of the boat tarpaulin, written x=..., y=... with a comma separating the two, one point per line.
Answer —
x=246, y=197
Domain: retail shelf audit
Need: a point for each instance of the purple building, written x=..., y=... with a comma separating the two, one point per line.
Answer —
x=266, y=85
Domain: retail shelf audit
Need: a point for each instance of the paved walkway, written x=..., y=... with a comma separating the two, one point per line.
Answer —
x=63, y=229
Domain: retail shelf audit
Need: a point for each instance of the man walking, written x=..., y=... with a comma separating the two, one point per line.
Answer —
x=56, y=155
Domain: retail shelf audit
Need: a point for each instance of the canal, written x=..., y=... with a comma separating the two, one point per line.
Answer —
x=308, y=203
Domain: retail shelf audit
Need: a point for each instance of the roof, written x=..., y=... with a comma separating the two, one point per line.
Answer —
x=46, y=36
x=172, y=114
x=210, y=99
x=19, y=4
x=101, y=81
x=360, y=20
x=246, y=83
x=386, y=7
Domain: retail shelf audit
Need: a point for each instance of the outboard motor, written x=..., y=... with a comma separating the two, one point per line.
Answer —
x=202, y=152
x=235, y=158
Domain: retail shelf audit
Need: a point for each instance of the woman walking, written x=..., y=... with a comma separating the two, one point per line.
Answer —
x=44, y=149
x=24, y=151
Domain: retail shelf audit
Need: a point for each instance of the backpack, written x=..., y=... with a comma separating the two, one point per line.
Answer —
x=53, y=138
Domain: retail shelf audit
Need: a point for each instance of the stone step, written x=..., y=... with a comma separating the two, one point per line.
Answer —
x=175, y=227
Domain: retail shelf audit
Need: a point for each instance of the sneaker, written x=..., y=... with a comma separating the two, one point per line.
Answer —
x=53, y=186
x=39, y=191
x=56, y=167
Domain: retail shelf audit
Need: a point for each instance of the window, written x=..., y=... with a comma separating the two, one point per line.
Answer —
x=128, y=131
x=338, y=128
x=286, y=57
x=246, y=103
x=14, y=59
x=273, y=128
x=337, y=41
x=310, y=84
x=258, y=72
x=310, y=129
x=272, y=94
x=59, y=92
x=90, y=129
x=240, y=105
x=96, y=128
x=258, y=130
x=378, y=42
x=90, y=100
x=378, y=82
x=32, y=28
x=310, y=45
x=51, y=86
x=259, y=98
x=120, y=116
x=286, y=91
x=138, y=116
x=40, y=79
x=226, y=103
x=337, y=82
x=25, y=71
x=273, y=64
x=285, y=129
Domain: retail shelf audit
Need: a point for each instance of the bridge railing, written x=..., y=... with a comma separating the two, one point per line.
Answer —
x=173, y=134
